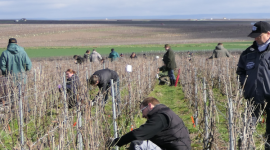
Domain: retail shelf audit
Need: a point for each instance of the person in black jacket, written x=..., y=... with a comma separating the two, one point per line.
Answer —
x=78, y=59
x=133, y=55
x=162, y=130
x=72, y=86
x=86, y=56
x=102, y=79
x=254, y=63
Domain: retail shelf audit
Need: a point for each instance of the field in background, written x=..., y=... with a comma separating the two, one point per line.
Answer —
x=38, y=52
x=78, y=35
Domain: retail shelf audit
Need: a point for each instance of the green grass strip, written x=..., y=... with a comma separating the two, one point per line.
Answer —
x=36, y=52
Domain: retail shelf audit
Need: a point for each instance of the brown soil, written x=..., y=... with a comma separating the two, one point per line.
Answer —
x=51, y=35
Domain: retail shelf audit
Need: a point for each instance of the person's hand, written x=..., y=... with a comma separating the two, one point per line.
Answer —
x=59, y=88
x=111, y=142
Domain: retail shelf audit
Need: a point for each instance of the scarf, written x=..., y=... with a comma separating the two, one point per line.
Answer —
x=263, y=46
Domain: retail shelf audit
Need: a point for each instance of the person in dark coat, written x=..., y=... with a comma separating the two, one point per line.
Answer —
x=189, y=56
x=144, y=56
x=162, y=130
x=254, y=63
x=86, y=56
x=133, y=55
x=102, y=79
x=169, y=61
x=78, y=59
x=72, y=86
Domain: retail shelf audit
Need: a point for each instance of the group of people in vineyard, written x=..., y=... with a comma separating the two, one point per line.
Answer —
x=164, y=130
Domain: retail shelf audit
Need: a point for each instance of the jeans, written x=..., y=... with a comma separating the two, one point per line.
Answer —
x=116, y=92
x=143, y=145
x=171, y=74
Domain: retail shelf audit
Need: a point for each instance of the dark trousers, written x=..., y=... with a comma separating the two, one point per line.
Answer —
x=116, y=92
x=257, y=112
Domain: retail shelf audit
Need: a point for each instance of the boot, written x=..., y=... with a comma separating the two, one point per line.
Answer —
x=172, y=82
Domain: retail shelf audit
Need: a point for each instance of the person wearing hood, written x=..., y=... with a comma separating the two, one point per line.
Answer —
x=163, y=130
x=113, y=55
x=14, y=60
x=95, y=56
x=220, y=51
x=254, y=72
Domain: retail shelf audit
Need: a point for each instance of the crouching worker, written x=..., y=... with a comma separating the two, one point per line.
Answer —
x=72, y=86
x=102, y=79
x=78, y=59
x=163, y=130
x=163, y=76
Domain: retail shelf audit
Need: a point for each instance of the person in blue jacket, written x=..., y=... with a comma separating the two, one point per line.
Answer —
x=14, y=60
x=113, y=55
x=254, y=74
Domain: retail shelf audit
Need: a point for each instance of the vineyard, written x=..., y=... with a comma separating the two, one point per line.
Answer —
x=35, y=113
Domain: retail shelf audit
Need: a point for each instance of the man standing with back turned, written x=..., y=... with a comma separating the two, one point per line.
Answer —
x=220, y=51
x=113, y=55
x=254, y=63
x=14, y=60
x=169, y=61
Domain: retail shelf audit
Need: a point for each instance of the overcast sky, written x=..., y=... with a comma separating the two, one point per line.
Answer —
x=56, y=9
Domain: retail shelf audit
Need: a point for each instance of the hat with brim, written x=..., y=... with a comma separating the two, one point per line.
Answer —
x=254, y=35
x=259, y=28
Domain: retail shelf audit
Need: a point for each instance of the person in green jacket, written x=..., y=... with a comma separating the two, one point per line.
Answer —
x=113, y=55
x=220, y=51
x=169, y=61
x=14, y=60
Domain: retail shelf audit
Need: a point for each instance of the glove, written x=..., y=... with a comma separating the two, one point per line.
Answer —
x=59, y=88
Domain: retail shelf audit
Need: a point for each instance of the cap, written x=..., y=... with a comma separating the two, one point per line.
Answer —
x=259, y=28
x=12, y=40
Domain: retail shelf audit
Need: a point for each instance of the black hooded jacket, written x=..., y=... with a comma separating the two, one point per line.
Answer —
x=256, y=65
x=105, y=76
x=80, y=59
x=163, y=127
